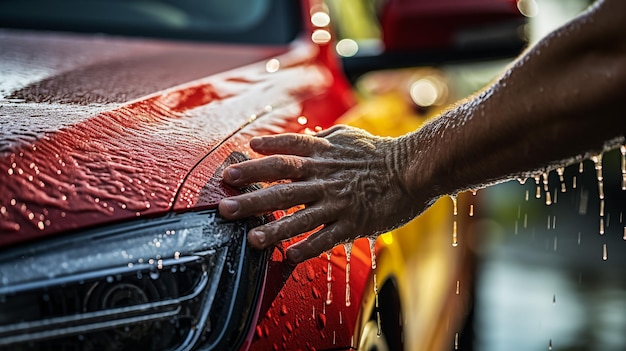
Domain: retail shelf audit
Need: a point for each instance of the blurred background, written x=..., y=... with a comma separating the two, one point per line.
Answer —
x=548, y=277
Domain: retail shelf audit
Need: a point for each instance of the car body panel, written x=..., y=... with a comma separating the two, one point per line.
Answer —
x=67, y=163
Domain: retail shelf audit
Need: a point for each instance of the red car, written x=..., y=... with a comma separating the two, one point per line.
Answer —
x=111, y=154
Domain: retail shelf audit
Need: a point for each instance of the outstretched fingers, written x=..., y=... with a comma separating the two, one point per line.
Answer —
x=268, y=169
x=290, y=226
x=290, y=144
x=318, y=242
x=275, y=197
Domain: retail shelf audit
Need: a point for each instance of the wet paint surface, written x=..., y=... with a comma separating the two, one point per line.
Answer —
x=130, y=160
x=296, y=314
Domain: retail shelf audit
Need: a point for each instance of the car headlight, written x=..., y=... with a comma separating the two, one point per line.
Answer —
x=178, y=282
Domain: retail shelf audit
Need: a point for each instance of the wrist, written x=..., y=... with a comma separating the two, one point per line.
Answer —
x=413, y=157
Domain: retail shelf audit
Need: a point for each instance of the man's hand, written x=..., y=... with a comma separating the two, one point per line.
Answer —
x=351, y=182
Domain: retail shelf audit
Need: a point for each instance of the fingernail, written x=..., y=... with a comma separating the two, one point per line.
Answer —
x=256, y=142
x=231, y=205
x=233, y=173
x=294, y=255
x=260, y=236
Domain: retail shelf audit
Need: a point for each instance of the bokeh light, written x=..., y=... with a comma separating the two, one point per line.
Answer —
x=320, y=19
x=320, y=36
x=347, y=47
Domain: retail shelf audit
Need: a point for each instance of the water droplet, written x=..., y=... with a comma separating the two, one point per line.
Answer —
x=471, y=210
x=283, y=310
x=289, y=327
x=554, y=298
x=321, y=321
x=154, y=274
x=110, y=279
x=316, y=293
x=555, y=243
x=458, y=287
x=272, y=66
x=310, y=272
x=550, y=344
x=605, y=254
x=456, y=341
x=601, y=226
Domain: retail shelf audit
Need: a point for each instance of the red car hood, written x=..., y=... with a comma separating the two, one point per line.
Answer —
x=95, y=129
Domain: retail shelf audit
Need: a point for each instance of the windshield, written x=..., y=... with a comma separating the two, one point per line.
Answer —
x=237, y=21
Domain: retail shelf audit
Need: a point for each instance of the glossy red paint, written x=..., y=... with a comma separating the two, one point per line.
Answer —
x=70, y=160
x=296, y=314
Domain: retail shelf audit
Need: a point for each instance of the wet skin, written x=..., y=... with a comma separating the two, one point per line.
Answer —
x=561, y=101
x=348, y=179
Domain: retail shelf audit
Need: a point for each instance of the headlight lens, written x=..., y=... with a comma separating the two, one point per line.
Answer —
x=150, y=284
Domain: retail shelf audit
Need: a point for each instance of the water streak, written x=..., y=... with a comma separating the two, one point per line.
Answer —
x=545, y=188
x=560, y=171
x=605, y=253
x=538, y=187
x=329, y=280
x=622, y=149
x=455, y=239
x=372, y=242
x=348, y=248
x=597, y=160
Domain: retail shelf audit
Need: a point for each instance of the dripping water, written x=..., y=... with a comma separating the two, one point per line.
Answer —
x=348, y=248
x=560, y=171
x=605, y=253
x=455, y=241
x=329, y=280
x=372, y=242
x=545, y=188
x=622, y=149
x=597, y=160
x=538, y=187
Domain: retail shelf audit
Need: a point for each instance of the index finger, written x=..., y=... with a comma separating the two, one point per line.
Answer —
x=289, y=144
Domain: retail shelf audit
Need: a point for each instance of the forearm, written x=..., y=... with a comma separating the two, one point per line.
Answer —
x=562, y=99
